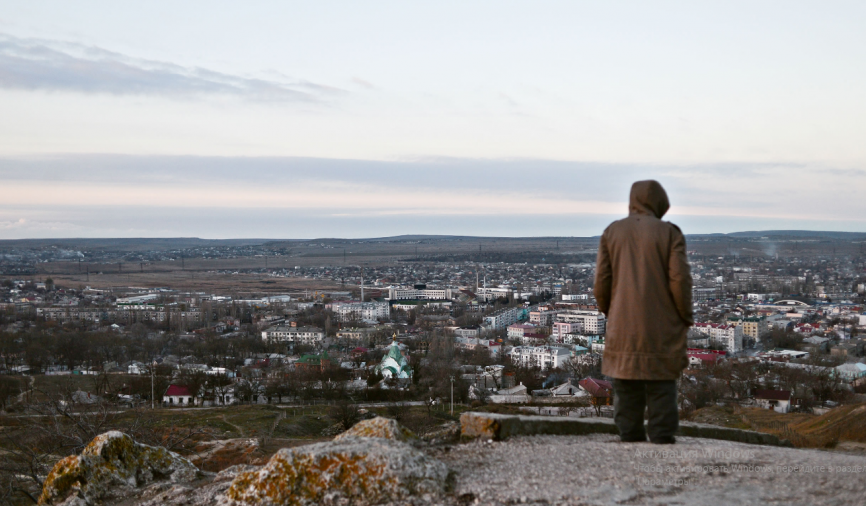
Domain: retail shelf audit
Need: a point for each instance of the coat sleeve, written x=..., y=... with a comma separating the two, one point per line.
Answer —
x=680, y=277
x=603, y=276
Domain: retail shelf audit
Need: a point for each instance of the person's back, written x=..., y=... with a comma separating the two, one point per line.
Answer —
x=643, y=285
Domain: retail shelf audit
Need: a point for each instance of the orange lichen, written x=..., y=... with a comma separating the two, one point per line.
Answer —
x=380, y=427
x=111, y=461
x=354, y=469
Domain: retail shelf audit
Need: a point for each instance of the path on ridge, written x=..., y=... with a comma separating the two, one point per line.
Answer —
x=599, y=470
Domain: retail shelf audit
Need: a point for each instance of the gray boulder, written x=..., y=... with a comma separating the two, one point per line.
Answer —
x=112, y=465
x=351, y=470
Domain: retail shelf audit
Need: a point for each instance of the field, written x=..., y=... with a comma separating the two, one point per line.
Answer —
x=232, y=274
x=846, y=424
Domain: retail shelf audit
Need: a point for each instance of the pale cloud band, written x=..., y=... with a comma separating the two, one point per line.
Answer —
x=49, y=65
x=302, y=197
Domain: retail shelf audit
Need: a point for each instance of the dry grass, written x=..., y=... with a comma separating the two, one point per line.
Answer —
x=842, y=424
x=845, y=423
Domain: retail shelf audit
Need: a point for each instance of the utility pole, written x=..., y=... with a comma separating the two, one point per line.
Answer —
x=452, y=395
x=152, y=400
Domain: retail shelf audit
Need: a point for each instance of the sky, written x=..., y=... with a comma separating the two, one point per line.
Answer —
x=289, y=119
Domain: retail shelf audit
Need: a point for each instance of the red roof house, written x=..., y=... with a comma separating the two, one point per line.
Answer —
x=600, y=390
x=178, y=395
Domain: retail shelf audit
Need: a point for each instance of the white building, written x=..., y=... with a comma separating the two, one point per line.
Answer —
x=400, y=293
x=356, y=310
x=503, y=318
x=542, y=316
x=728, y=336
x=466, y=332
x=777, y=400
x=516, y=330
x=561, y=329
x=488, y=294
x=296, y=335
x=592, y=322
x=544, y=357
x=581, y=296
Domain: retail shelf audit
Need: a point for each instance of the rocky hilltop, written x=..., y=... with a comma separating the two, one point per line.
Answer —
x=380, y=462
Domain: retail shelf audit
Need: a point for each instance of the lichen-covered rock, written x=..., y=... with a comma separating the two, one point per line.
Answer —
x=111, y=464
x=380, y=427
x=351, y=470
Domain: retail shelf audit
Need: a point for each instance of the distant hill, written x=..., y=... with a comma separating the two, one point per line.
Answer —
x=171, y=243
x=789, y=233
x=128, y=243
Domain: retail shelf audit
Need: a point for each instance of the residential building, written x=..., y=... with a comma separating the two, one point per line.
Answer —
x=600, y=390
x=355, y=334
x=703, y=294
x=534, y=339
x=501, y=319
x=517, y=330
x=850, y=373
x=355, y=310
x=777, y=400
x=542, y=317
x=295, y=335
x=466, y=332
x=178, y=395
x=514, y=395
x=728, y=336
x=320, y=362
x=561, y=329
x=401, y=293
x=592, y=322
x=543, y=357
x=755, y=327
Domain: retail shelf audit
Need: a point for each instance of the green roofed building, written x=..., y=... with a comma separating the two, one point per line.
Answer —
x=394, y=364
x=320, y=362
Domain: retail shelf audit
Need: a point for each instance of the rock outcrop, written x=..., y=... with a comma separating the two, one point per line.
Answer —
x=371, y=463
x=380, y=427
x=109, y=466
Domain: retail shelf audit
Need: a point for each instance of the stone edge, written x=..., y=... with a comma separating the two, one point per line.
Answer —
x=499, y=426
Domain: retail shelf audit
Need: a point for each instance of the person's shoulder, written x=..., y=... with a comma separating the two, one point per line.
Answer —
x=617, y=224
x=674, y=228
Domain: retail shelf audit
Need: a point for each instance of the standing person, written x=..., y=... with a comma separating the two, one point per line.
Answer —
x=644, y=287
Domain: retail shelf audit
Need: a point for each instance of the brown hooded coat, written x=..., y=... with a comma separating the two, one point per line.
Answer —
x=644, y=287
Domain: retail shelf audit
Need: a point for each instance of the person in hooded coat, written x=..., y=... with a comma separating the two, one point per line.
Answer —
x=644, y=287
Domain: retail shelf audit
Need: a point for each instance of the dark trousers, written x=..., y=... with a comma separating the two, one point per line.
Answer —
x=659, y=400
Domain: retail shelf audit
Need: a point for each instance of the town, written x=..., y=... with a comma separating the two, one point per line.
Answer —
x=419, y=336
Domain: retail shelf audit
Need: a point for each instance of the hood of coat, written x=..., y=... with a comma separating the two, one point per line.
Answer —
x=648, y=197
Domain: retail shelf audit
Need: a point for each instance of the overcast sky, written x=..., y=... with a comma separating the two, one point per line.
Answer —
x=361, y=119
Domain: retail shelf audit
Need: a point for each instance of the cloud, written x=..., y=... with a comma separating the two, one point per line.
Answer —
x=437, y=191
x=36, y=64
x=363, y=83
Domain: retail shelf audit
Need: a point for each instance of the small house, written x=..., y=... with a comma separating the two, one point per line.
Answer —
x=777, y=400
x=178, y=395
